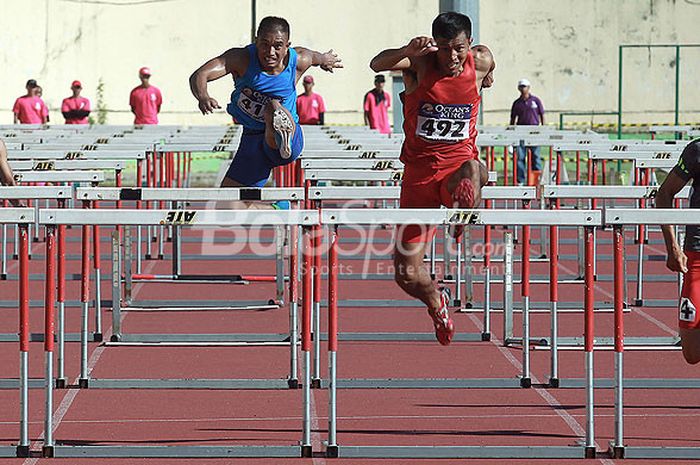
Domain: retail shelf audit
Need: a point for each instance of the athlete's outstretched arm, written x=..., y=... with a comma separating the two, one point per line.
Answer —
x=676, y=260
x=307, y=58
x=233, y=61
x=484, y=64
x=399, y=59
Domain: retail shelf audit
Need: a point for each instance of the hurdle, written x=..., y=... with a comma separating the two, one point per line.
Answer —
x=303, y=218
x=22, y=217
x=94, y=217
x=177, y=197
x=372, y=217
x=618, y=219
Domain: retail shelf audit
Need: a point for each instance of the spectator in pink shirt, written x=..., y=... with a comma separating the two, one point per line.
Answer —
x=76, y=109
x=29, y=108
x=377, y=103
x=310, y=106
x=145, y=100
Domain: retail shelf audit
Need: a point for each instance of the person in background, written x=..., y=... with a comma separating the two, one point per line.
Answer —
x=310, y=106
x=76, y=109
x=376, y=105
x=527, y=110
x=145, y=100
x=29, y=108
x=39, y=92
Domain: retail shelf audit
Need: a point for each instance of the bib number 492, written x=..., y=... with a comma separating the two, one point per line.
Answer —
x=443, y=129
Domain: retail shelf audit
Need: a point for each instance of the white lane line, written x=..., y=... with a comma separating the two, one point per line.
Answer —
x=72, y=393
x=316, y=437
x=569, y=419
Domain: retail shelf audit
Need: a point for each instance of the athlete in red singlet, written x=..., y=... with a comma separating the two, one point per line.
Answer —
x=443, y=77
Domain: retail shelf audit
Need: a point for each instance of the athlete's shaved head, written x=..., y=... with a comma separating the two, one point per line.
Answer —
x=450, y=24
x=273, y=24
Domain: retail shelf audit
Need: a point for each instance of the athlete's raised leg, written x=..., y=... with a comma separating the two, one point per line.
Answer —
x=690, y=341
x=279, y=128
x=410, y=274
x=464, y=185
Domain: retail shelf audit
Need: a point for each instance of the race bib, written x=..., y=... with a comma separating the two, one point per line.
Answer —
x=686, y=310
x=443, y=123
x=252, y=104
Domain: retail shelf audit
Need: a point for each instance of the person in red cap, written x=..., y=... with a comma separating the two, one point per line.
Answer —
x=29, y=108
x=310, y=106
x=145, y=100
x=76, y=109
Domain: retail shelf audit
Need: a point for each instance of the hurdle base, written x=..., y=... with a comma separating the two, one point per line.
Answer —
x=589, y=452
x=47, y=452
x=83, y=383
x=485, y=337
x=23, y=451
x=332, y=452
x=160, y=256
x=316, y=383
x=645, y=241
x=554, y=382
x=115, y=338
x=61, y=383
x=293, y=383
x=526, y=382
x=3, y=277
x=638, y=303
x=616, y=452
x=307, y=451
x=148, y=256
x=97, y=337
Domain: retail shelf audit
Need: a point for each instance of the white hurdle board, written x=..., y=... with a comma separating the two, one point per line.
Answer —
x=64, y=165
x=366, y=175
x=69, y=154
x=190, y=194
x=130, y=217
x=35, y=192
x=59, y=176
x=394, y=192
x=449, y=216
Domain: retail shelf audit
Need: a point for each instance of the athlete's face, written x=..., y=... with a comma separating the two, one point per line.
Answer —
x=272, y=49
x=452, y=53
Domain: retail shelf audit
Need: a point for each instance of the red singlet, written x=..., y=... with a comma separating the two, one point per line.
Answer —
x=440, y=135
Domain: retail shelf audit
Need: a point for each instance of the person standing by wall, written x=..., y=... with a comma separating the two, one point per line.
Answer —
x=145, y=100
x=29, y=108
x=76, y=109
x=527, y=110
x=376, y=105
x=310, y=105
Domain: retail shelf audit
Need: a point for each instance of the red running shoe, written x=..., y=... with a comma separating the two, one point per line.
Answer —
x=444, y=326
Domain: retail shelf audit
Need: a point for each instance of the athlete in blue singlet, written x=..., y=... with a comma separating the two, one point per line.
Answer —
x=265, y=74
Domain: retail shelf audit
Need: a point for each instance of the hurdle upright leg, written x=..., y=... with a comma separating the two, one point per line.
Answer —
x=618, y=276
x=332, y=447
x=589, y=301
x=85, y=304
x=23, y=239
x=526, y=381
x=61, y=380
x=508, y=287
x=96, y=248
x=307, y=302
x=553, y=301
x=293, y=306
x=49, y=298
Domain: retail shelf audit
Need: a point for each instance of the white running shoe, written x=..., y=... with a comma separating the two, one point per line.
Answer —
x=283, y=126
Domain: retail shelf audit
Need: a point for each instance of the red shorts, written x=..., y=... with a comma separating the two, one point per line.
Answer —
x=430, y=194
x=688, y=317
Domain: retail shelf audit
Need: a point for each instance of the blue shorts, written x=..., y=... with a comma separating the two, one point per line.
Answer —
x=254, y=159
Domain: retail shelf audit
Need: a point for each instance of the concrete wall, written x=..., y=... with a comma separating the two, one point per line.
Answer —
x=567, y=48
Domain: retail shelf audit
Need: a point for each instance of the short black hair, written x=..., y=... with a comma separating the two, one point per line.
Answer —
x=379, y=78
x=450, y=24
x=273, y=24
x=31, y=84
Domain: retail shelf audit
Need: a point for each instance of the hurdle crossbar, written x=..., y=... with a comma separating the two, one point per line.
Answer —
x=59, y=176
x=190, y=194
